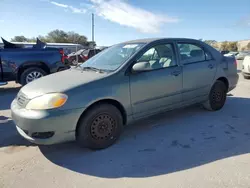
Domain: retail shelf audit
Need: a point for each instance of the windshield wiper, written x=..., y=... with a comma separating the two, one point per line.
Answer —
x=93, y=69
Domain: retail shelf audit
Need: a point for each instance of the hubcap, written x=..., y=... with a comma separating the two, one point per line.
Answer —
x=217, y=96
x=33, y=76
x=103, y=127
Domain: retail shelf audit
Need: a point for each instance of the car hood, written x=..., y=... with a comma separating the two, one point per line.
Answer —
x=60, y=82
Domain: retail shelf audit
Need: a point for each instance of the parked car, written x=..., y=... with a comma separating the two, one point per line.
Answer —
x=246, y=67
x=231, y=54
x=81, y=56
x=124, y=83
x=24, y=65
x=223, y=52
x=242, y=55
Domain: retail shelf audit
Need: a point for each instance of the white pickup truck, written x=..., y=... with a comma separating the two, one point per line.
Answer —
x=246, y=67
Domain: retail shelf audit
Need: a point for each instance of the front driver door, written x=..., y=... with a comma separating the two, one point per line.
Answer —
x=159, y=88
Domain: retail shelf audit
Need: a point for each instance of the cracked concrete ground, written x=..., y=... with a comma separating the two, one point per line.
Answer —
x=185, y=148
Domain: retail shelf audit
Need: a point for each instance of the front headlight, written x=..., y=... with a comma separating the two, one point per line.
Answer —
x=47, y=101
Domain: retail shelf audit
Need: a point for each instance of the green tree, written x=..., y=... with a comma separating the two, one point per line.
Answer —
x=224, y=45
x=76, y=38
x=43, y=38
x=91, y=43
x=33, y=39
x=19, y=39
x=229, y=46
x=232, y=46
x=212, y=43
x=248, y=46
x=57, y=35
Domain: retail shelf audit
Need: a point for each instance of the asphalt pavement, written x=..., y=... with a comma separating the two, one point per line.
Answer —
x=190, y=148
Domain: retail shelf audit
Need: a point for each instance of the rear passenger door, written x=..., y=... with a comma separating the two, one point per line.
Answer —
x=199, y=69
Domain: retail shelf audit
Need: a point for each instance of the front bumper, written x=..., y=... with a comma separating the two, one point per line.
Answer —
x=246, y=69
x=31, y=123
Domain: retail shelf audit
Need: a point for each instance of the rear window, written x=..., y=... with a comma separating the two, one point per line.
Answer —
x=86, y=52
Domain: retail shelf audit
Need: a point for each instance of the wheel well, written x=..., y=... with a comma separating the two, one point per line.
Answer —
x=107, y=101
x=26, y=66
x=224, y=80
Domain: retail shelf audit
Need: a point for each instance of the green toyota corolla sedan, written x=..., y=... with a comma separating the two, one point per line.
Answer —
x=93, y=102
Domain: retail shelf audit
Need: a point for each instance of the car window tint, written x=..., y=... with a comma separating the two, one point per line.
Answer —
x=91, y=53
x=191, y=53
x=85, y=52
x=208, y=56
x=113, y=57
x=148, y=55
x=160, y=56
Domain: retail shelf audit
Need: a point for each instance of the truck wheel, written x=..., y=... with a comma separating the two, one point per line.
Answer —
x=100, y=127
x=31, y=74
x=217, y=97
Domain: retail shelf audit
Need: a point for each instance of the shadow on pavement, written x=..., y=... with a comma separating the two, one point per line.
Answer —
x=9, y=135
x=167, y=143
x=6, y=96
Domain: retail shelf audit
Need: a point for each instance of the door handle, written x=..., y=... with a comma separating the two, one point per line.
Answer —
x=211, y=66
x=176, y=73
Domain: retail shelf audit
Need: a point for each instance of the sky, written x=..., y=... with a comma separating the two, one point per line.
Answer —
x=121, y=20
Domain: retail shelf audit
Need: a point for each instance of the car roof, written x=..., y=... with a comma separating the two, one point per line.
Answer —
x=149, y=40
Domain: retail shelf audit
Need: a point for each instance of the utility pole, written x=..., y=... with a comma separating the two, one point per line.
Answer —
x=93, y=38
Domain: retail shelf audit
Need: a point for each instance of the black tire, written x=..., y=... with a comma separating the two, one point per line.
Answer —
x=246, y=77
x=100, y=127
x=217, y=96
x=74, y=62
x=28, y=71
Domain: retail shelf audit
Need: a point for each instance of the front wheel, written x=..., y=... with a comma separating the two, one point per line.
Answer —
x=217, y=96
x=100, y=127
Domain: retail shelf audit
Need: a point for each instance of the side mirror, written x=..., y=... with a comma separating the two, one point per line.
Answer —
x=141, y=66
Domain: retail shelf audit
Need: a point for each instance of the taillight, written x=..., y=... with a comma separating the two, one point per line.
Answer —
x=235, y=62
x=85, y=57
x=62, y=54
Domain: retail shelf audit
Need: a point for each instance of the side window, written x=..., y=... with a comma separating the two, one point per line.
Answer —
x=148, y=55
x=160, y=56
x=91, y=53
x=190, y=53
x=208, y=56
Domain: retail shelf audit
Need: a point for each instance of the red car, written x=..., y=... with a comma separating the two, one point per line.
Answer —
x=81, y=56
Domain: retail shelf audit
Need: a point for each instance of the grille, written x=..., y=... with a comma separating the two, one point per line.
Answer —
x=22, y=100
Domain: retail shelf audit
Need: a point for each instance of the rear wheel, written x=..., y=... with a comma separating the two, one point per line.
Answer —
x=100, y=127
x=31, y=74
x=217, y=96
x=246, y=77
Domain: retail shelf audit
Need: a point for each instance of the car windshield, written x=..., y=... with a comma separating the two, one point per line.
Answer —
x=113, y=57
